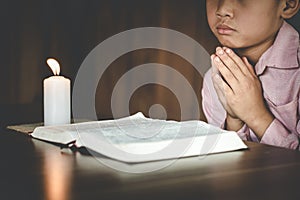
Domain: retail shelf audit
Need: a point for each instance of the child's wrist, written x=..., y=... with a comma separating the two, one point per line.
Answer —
x=233, y=124
x=260, y=124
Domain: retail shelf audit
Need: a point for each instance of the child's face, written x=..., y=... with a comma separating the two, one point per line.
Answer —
x=244, y=23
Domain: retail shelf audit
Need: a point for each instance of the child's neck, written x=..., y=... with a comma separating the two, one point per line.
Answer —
x=254, y=53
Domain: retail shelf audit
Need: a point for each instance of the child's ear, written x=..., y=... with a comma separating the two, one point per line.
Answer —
x=290, y=8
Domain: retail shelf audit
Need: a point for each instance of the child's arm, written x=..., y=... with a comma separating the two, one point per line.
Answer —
x=240, y=93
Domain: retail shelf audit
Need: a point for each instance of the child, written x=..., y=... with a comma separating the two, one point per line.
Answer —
x=253, y=85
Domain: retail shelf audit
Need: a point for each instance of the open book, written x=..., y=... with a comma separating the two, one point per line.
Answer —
x=139, y=139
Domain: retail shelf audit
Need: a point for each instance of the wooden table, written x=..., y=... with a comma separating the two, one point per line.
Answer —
x=32, y=169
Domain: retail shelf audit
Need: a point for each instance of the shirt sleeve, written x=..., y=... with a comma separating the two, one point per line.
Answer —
x=244, y=133
x=277, y=135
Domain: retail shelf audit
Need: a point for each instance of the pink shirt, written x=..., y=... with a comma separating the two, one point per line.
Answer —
x=279, y=73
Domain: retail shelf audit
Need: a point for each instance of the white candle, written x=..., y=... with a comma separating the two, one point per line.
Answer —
x=56, y=97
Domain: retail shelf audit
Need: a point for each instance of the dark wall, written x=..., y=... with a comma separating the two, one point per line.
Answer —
x=34, y=30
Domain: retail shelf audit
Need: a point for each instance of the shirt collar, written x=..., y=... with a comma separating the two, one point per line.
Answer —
x=283, y=54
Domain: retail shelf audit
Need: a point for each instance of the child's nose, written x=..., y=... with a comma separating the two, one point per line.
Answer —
x=225, y=8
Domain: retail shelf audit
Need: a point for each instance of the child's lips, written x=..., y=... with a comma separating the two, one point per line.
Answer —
x=224, y=29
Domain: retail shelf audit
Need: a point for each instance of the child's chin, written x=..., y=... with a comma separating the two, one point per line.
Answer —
x=230, y=42
x=231, y=46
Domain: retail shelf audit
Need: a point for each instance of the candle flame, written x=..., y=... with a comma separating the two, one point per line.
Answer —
x=54, y=65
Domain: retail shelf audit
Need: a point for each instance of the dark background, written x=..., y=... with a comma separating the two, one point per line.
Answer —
x=33, y=30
